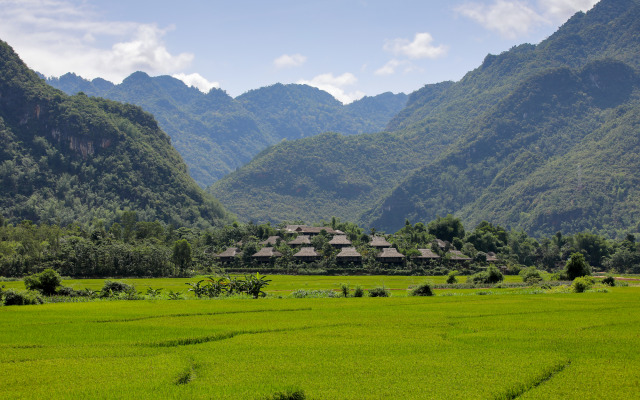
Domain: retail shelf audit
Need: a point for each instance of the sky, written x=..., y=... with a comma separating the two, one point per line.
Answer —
x=350, y=48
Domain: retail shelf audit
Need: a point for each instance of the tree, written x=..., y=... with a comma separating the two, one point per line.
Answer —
x=577, y=266
x=446, y=228
x=181, y=254
x=45, y=282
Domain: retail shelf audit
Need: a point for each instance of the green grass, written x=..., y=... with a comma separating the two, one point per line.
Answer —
x=460, y=347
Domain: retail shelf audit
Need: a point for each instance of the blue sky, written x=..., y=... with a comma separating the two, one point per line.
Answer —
x=350, y=48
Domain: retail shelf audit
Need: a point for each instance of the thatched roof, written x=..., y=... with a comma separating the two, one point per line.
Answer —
x=427, y=253
x=348, y=252
x=457, y=255
x=301, y=239
x=230, y=252
x=267, y=252
x=313, y=230
x=379, y=241
x=340, y=240
x=491, y=257
x=441, y=243
x=306, y=252
x=390, y=252
x=272, y=240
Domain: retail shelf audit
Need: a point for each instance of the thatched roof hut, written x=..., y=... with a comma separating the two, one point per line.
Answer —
x=379, y=241
x=340, y=241
x=456, y=255
x=266, y=254
x=229, y=254
x=300, y=240
x=349, y=254
x=270, y=241
x=390, y=255
x=427, y=254
x=307, y=254
x=312, y=230
x=491, y=257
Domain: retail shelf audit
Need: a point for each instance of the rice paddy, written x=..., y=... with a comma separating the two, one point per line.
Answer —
x=529, y=346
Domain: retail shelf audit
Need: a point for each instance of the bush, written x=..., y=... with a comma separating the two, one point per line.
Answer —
x=424, y=289
x=379, y=292
x=451, y=278
x=303, y=293
x=491, y=275
x=288, y=395
x=531, y=275
x=111, y=288
x=13, y=297
x=344, y=289
x=581, y=285
x=577, y=266
x=358, y=292
x=46, y=282
x=609, y=280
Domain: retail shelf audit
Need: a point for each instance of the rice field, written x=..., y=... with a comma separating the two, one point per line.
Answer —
x=528, y=346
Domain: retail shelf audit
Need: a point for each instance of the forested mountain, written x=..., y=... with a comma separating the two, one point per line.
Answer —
x=215, y=133
x=541, y=137
x=74, y=159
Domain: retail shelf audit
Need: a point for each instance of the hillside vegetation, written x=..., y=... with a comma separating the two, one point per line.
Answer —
x=215, y=133
x=541, y=137
x=73, y=159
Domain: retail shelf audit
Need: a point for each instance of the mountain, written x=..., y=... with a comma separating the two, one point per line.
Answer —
x=216, y=134
x=74, y=159
x=487, y=146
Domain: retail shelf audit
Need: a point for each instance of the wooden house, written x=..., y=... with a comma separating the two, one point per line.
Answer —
x=458, y=257
x=266, y=255
x=426, y=255
x=349, y=255
x=491, y=257
x=340, y=241
x=300, y=240
x=229, y=255
x=390, y=255
x=312, y=230
x=270, y=241
x=306, y=254
x=379, y=242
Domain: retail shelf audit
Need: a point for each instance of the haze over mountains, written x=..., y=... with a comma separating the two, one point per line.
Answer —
x=215, y=134
x=542, y=137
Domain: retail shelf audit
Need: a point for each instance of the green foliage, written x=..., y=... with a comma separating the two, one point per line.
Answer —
x=358, y=291
x=181, y=254
x=290, y=394
x=116, y=288
x=531, y=275
x=46, y=282
x=451, y=277
x=344, y=289
x=14, y=297
x=424, y=289
x=577, y=266
x=581, y=284
x=253, y=285
x=491, y=275
x=380, y=291
x=609, y=280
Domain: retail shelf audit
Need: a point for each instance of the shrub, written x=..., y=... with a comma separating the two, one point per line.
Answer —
x=344, y=289
x=581, y=285
x=451, y=278
x=491, y=275
x=46, y=282
x=21, y=298
x=358, y=292
x=424, y=289
x=577, y=266
x=303, y=293
x=609, y=280
x=111, y=288
x=531, y=275
x=290, y=394
x=379, y=292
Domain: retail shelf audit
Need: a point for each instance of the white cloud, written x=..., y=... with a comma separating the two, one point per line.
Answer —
x=563, y=9
x=392, y=65
x=288, y=61
x=509, y=18
x=515, y=18
x=335, y=85
x=420, y=47
x=59, y=36
x=198, y=81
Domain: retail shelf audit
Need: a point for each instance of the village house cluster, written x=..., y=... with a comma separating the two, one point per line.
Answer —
x=348, y=254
